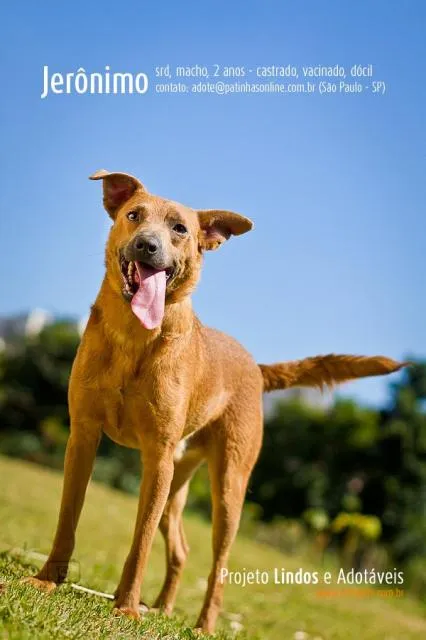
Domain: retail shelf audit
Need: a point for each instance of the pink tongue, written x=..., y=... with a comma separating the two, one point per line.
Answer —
x=148, y=301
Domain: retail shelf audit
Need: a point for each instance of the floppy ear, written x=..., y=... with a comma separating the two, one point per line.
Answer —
x=118, y=187
x=217, y=226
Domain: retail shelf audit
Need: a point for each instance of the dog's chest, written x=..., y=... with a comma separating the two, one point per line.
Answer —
x=123, y=416
x=134, y=401
x=153, y=391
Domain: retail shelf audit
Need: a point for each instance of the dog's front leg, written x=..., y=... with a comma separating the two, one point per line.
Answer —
x=79, y=457
x=155, y=486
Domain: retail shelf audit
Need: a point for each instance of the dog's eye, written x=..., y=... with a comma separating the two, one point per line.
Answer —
x=180, y=228
x=133, y=216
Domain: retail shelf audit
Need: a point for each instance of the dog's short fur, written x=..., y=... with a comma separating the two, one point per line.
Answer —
x=179, y=392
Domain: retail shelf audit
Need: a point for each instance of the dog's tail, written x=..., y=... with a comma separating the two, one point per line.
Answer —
x=325, y=371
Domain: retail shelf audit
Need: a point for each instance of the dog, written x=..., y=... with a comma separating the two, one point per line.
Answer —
x=152, y=377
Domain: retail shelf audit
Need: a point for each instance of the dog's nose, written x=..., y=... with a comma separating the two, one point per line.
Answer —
x=147, y=244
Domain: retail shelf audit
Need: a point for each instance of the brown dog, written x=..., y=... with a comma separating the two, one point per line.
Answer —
x=152, y=377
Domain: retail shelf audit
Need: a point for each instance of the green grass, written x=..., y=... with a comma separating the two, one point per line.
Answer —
x=29, y=499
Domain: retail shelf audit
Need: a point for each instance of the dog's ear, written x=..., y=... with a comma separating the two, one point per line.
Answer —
x=118, y=187
x=217, y=226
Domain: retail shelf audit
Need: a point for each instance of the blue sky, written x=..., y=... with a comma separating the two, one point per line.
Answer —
x=335, y=184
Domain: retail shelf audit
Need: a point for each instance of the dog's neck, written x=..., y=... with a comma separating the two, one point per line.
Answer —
x=123, y=327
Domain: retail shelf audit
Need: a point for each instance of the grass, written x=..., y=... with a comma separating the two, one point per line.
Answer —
x=29, y=498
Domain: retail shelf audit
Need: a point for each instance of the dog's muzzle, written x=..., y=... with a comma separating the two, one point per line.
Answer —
x=146, y=250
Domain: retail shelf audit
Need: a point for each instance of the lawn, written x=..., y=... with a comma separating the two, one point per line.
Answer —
x=29, y=499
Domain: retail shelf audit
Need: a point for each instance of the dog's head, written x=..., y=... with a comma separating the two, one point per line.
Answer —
x=154, y=250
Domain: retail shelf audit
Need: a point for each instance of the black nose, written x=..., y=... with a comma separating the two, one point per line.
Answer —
x=147, y=244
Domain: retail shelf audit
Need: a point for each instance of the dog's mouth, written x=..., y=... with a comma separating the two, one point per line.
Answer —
x=131, y=273
x=144, y=286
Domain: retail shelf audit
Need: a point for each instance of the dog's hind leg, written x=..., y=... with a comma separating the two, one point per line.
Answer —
x=171, y=525
x=231, y=457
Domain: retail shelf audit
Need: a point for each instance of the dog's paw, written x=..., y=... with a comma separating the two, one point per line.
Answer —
x=144, y=607
x=126, y=611
x=165, y=611
x=42, y=585
x=203, y=629
x=162, y=606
